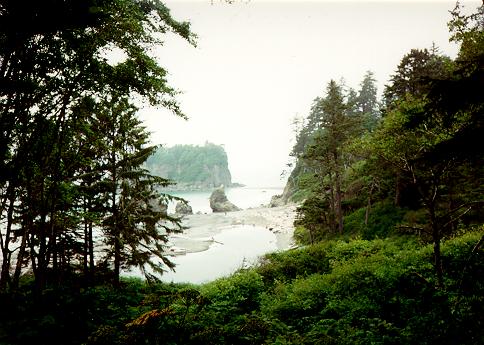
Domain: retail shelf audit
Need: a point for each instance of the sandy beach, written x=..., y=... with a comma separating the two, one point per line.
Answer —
x=201, y=228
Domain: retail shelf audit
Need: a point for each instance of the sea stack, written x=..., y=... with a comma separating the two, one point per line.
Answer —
x=182, y=208
x=220, y=203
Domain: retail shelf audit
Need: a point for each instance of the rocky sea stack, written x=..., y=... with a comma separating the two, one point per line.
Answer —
x=192, y=167
x=182, y=208
x=220, y=203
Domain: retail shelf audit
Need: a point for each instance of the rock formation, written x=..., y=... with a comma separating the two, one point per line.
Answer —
x=220, y=203
x=277, y=200
x=183, y=208
x=158, y=206
x=191, y=167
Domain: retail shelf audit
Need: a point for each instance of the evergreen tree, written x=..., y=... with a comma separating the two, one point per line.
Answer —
x=429, y=137
x=326, y=155
x=367, y=103
x=51, y=61
x=135, y=224
x=414, y=73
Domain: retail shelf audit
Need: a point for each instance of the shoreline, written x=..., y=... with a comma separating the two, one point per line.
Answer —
x=180, y=188
x=201, y=228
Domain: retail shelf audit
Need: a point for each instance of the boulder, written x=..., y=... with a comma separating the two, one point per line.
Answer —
x=276, y=201
x=158, y=205
x=220, y=203
x=183, y=208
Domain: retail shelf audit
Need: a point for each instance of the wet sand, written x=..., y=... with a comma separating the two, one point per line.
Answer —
x=203, y=227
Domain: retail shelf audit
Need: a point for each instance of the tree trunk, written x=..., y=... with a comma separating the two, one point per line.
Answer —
x=397, y=190
x=311, y=235
x=332, y=206
x=20, y=258
x=436, y=237
x=368, y=206
x=115, y=229
x=339, y=209
x=88, y=244
x=85, y=248
x=437, y=257
x=117, y=260
x=6, y=253
x=40, y=273
x=91, y=251
x=54, y=250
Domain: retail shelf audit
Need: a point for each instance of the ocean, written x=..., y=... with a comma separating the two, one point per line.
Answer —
x=234, y=245
x=242, y=197
x=233, y=248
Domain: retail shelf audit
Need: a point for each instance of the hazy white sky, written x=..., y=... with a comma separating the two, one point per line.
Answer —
x=260, y=63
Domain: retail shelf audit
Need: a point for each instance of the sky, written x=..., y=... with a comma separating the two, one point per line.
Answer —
x=259, y=64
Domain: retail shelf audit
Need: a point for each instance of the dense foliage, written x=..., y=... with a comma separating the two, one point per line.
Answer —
x=73, y=194
x=336, y=292
x=392, y=197
x=190, y=166
x=410, y=164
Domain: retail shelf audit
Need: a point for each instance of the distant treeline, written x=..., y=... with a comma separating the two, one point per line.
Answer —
x=191, y=166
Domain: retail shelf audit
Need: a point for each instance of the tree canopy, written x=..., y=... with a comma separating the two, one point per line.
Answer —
x=71, y=148
x=416, y=161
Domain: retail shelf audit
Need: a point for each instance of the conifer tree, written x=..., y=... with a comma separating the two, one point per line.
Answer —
x=367, y=103
x=326, y=154
x=135, y=225
x=52, y=58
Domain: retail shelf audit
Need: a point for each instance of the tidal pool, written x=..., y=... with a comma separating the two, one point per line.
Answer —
x=233, y=248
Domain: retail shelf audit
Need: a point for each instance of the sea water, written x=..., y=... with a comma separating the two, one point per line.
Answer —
x=242, y=197
x=233, y=248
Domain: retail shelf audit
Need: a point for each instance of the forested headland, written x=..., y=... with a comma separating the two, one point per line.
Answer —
x=192, y=167
x=390, y=192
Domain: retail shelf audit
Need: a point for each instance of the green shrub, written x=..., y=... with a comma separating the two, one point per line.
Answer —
x=291, y=264
x=379, y=291
x=382, y=219
x=301, y=235
x=238, y=293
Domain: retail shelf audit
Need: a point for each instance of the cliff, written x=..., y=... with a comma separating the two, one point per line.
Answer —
x=292, y=192
x=192, y=167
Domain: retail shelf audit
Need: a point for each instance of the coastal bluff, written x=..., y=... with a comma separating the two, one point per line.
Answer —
x=192, y=167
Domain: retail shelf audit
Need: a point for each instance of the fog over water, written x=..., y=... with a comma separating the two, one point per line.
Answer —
x=258, y=64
